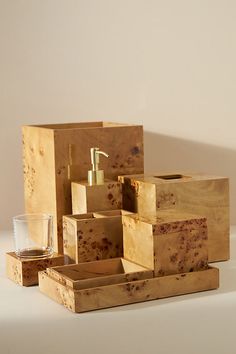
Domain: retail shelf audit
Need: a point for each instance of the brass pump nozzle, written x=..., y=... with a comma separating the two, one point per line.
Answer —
x=96, y=176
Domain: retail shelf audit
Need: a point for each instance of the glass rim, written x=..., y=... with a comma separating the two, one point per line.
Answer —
x=32, y=217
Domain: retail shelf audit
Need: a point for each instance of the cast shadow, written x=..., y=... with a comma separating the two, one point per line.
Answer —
x=170, y=154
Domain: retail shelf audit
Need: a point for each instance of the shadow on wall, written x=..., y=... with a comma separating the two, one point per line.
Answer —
x=167, y=154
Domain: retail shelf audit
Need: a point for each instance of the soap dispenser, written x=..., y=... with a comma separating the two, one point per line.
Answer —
x=96, y=176
x=96, y=193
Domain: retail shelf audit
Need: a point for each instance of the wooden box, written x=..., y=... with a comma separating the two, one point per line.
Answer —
x=102, y=284
x=195, y=193
x=56, y=154
x=93, y=236
x=169, y=243
x=86, y=198
x=24, y=271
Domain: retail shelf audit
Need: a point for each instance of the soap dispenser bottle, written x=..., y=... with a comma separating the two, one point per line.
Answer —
x=96, y=194
x=96, y=176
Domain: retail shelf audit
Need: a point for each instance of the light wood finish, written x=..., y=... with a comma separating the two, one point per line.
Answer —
x=199, y=194
x=110, y=213
x=86, y=198
x=99, y=273
x=56, y=154
x=24, y=271
x=93, y=236
x=127, y=293
x=170, y=243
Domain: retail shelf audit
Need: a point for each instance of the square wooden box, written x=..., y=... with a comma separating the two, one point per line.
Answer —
x=199, y=194
x=24, y=271
x=170, y=243
x=56, y=154
x=107, y=283
x=86, y=198
x=93, y=236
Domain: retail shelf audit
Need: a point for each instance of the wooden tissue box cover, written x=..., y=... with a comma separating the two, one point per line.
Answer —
x=86, y=198
x=24, y=271
x=169, y=243
x=195, y=193
x=108, y=283
x=93, y=236
x=56, y=154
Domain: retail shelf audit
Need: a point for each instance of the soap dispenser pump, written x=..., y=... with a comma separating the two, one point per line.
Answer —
x=96, y=176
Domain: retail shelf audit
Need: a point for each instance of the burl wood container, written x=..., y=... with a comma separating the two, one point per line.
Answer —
x=199, y=194
x=54, y=155
x=170, y=243
x=102, y=284
x=24, y=271
x=86, y=198
x=93, y=236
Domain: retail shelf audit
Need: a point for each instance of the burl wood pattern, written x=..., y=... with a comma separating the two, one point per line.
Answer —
x=195, y=193
x=99, y=273
x=127, y=293
x=170, y=243
x=25, y=271
x=85, y=198
x=93, y=236
x=54, y=155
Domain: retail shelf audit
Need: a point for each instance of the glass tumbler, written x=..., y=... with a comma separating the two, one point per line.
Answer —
x=33, y=235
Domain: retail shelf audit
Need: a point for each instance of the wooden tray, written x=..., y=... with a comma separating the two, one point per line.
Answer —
x=80, y=294
x=99, y=273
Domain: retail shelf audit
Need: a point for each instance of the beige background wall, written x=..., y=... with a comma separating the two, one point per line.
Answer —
x=170, y=65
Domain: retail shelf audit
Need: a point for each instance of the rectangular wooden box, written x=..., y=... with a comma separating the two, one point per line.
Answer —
x=199, y=194
x=86, y=198
x=24, y=271
x=169, y=243
x=93, y=236
x=56, y=154
x=62, y=289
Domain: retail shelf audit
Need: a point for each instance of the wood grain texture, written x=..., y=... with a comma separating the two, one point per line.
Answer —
x=199, y=194
x=39, y=173
x=93, y=236
x=25, y=271
x=171, y=243
x=87, y=198
x=128, y=293
x=54, y=155
x=99, y=273
x=138, y=241
x=62, y=294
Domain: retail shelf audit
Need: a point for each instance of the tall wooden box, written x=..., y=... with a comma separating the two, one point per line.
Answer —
x=93, y=236
x=54, y=155
x=170, y=243
x=199, y=194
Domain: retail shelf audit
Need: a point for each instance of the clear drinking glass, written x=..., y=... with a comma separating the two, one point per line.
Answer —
x=33, y=235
